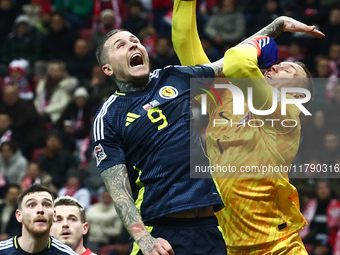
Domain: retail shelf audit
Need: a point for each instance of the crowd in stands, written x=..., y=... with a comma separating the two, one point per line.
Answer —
x=51, y=86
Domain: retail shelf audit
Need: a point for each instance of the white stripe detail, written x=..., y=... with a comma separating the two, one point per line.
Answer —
x=6, y=242
x=98, y=127
x=268, y=38
x=6, y=247
x=63, y=247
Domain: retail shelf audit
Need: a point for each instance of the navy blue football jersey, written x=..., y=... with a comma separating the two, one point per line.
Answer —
x=149, y=132
x=55, y=247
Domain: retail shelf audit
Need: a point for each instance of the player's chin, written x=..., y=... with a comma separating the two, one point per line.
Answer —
x=39, y=232
x=139, y=72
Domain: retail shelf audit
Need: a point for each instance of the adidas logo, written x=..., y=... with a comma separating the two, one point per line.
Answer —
x=131, y=117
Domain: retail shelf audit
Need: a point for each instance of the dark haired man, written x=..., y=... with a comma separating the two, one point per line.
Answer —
x=71, y=225
x=36, y=213
x=141, y=140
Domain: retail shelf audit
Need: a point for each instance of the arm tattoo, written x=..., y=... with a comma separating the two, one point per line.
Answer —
x=272, y=30
x=217, y=66
x=117, y=183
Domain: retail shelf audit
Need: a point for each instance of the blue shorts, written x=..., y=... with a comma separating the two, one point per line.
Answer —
x=197, y=236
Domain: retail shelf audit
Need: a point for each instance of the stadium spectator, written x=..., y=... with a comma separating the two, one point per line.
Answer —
x=36, y=213
x=76, y=118
x=135, y=21
x=25, y=118
x=73, y=188
x=119, y=8
x=8, y=134
x=212, y=52
x=77, y=11
x=88, y=162
x=322, y=214
x=332, y=111
x=44, y=26
x=99, y=87
x=35, y=176
x=104, y=222
x=268, y=14
x=226, y=26
x=56, y=161
x=9, y=226
x=334, y=55
x=332, y=30
x=164, y=54
x=54, y=92
x=34, y=9
x=12, y=163
x=8, y=13
x=17, y=77
x=71, y=225
x=331, y=147
x=107, y=23
x=296, y=52
x=80, y=65
x=23, y=42
x=58, y=44
x=312, y=135
x=311, y=12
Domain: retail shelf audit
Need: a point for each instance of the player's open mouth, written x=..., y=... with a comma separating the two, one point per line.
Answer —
x=268, y=76
x=136, y=60
x=66, y=234
x=41, y=221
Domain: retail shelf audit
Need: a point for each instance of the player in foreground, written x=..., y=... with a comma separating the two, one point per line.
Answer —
x=262, y=215
x=70, y=225
x=36, y=213
x=141, y=140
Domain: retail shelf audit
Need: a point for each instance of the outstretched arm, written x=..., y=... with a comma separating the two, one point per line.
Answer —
x=286, y=24
x=188, y=45
x=117, y=183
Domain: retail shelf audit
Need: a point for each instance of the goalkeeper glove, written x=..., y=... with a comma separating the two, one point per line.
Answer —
x=267, y=51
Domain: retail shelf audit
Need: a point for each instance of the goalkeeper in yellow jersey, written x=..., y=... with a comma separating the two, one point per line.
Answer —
x=262, y=215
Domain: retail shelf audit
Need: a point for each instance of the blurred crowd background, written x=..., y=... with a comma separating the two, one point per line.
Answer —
x=51, y=87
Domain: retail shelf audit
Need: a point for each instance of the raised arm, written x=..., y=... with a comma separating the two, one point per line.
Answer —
x=117, y=183
x=185, y=37
x=188, y=45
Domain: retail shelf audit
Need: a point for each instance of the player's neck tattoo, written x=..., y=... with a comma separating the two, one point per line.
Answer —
x=125, y=86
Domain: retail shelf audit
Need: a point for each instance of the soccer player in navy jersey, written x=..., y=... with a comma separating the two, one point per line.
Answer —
x=36, y=213
x=141, y=138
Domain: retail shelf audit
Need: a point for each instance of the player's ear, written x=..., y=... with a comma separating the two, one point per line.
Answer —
x=107, y=69
x=18, y=215
x=85, y=228
x=54, y=216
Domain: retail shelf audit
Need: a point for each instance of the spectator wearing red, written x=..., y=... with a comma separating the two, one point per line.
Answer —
x=17, y=77
x=322, y=214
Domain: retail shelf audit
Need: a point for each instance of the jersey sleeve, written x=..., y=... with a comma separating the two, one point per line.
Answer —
x=199, y=71
x=185, y=37
x=240, y=66
x=108, y=145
